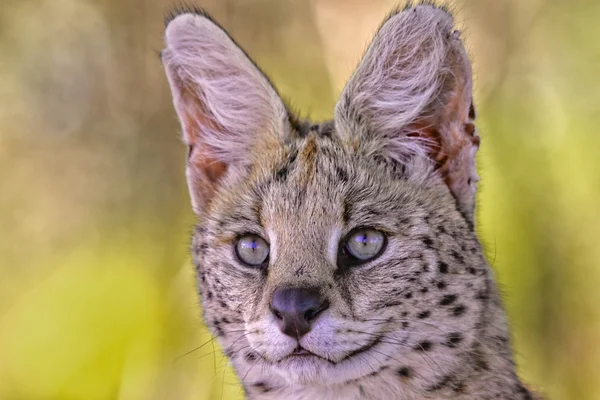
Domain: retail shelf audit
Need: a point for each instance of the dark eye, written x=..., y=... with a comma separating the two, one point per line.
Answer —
x=361, y=245
x=252, y=250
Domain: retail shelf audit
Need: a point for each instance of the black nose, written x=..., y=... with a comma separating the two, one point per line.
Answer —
x=295, y=309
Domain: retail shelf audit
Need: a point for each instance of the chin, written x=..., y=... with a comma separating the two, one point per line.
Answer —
x=305, y=370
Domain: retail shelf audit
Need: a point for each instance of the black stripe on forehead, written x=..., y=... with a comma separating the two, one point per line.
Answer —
x=304, y=127
x=289, y=164
x=300, y=127
x=326, y=129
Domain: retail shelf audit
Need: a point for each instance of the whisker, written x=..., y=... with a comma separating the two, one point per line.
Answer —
x=196, y=349
x=390, y=340
x=253, y=365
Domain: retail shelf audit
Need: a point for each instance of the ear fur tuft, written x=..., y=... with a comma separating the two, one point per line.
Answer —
x=186, y=8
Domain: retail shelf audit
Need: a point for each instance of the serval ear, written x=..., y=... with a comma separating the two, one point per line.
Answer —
x=410, y=101
x=226, y=106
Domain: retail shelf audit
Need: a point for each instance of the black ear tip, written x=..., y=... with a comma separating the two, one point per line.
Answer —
x=186, y=9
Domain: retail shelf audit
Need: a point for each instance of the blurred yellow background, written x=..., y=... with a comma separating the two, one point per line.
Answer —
x=97, y=295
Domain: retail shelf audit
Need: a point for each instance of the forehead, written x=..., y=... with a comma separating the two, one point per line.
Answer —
x=312, y=184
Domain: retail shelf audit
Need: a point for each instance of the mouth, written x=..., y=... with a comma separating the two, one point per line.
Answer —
x=301, y=351
x=300, y=354
x=304, y=367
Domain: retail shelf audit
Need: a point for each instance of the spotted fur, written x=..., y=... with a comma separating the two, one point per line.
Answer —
x=422, y=321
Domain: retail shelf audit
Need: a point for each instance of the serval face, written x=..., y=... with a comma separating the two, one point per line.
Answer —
x=339, y=259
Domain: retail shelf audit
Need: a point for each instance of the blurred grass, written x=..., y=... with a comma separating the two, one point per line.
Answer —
x=97, y=298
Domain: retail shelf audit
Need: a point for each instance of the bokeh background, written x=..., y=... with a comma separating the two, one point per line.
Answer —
x=97, y=297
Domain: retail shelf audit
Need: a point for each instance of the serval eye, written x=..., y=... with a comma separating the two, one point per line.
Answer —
x=361, y=245
x=252, y=250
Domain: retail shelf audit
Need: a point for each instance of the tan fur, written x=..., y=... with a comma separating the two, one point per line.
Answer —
x=423, y=320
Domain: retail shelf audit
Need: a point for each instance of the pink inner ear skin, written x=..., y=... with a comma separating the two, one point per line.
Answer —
x=201, y=158
x=455, y=143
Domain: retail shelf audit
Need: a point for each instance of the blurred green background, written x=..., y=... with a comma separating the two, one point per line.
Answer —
x=97, y=296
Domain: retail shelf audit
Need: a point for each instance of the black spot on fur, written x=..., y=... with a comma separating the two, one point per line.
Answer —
x=408, y=295
x=230, y=353
x=480, y=362
x=262, y=387
x=424, y=314
x=425, y=345
x=482, y=295
x=501, y=339
x=457, y=256
x=405, y=372
x=441, y=285
x=454, y=339
x=459, y=387
x=428, y=242
x=443, y=267
x=459, y=310
x=219, y=331
x=448, y=299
